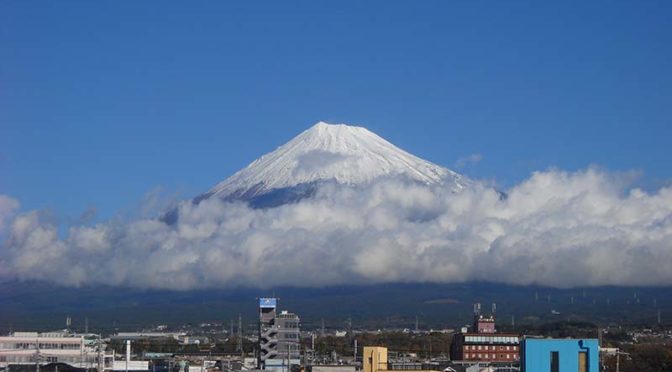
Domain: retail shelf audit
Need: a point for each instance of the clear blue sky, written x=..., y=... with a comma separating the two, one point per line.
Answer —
x=100, y=102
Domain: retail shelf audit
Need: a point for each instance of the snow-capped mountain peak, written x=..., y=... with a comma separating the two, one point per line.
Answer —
x=346, y=154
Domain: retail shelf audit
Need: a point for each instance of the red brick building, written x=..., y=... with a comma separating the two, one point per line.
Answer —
x=484, y=344
x=486, y=347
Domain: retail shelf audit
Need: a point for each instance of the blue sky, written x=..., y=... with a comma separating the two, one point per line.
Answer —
x=101, y=102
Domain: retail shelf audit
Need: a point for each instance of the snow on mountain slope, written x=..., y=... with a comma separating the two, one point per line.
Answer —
x=342, y=153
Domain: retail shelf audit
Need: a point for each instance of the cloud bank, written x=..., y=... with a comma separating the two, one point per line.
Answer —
x=555, y=228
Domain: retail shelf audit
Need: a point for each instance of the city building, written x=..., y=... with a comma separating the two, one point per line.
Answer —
x=375, y=359
x=559, y=355
x=279, y=337
x=289, y=335
x=52, y=347
x=484, y=344
x=475, y=347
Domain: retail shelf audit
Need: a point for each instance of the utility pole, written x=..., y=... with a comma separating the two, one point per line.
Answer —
x=599, y=345
x=240, y=333
x=128, y=353
x=618, y=359
x=100, y=369
x=37, y=355
x=416, y=323
x=289, y=357
x=86, y=325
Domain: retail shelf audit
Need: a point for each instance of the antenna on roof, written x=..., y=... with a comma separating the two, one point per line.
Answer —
x=322, y=329
x=494, y=308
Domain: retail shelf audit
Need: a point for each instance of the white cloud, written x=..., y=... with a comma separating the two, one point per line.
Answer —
x=555, y=228
x=7, y=208
x=468, y=160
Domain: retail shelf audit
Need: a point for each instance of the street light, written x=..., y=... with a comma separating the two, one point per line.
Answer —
x=618, y=359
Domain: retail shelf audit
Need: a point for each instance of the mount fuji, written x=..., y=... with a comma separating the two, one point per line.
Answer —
x=327, y=153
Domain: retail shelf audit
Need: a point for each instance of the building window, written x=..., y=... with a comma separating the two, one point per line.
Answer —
x=555, y=361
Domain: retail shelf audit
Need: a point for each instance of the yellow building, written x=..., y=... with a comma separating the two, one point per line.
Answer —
x=375, y=360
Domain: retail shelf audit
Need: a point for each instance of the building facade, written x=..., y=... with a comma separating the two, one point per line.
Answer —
x=559, y=355
x=279, y=337
x=43, y=348
x=289, y=336
x=479, y=347
x=484, y=344
x=375, y=359
x=268, y=340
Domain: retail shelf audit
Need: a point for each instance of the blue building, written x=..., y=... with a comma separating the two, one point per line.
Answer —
x=559, y=355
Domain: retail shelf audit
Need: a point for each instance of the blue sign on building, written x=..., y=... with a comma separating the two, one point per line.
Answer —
x=559, y=355
x=267, y=302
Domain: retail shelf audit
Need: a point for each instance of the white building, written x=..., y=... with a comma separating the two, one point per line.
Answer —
x=52, y=347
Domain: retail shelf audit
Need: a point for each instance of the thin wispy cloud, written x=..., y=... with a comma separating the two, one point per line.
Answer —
x=465, y=161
